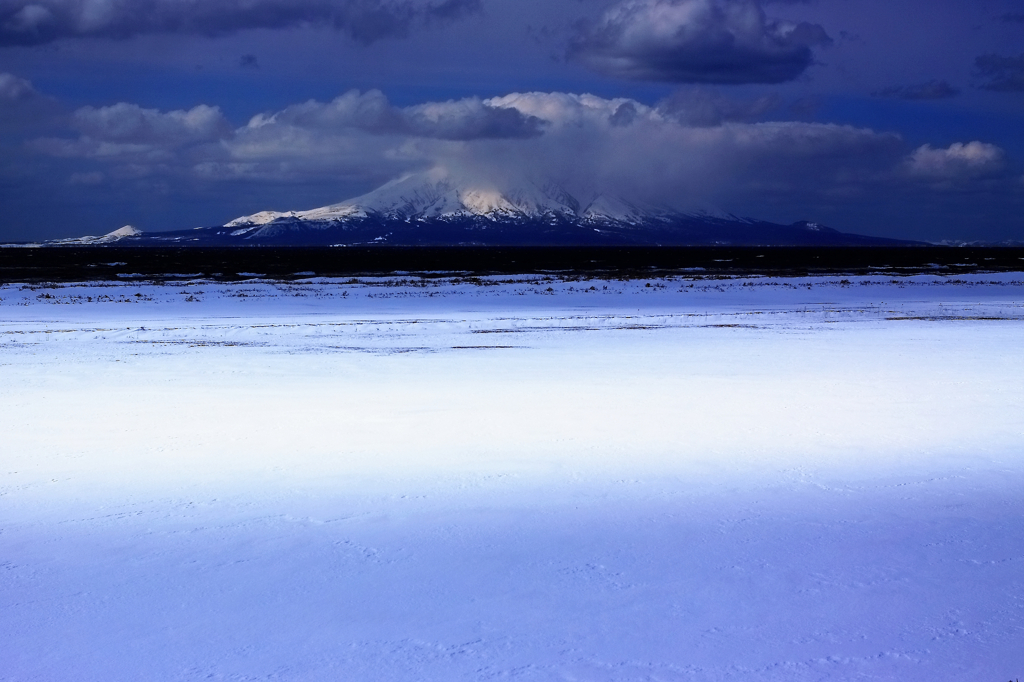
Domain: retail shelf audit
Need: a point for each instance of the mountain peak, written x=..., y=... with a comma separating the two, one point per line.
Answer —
x=438, y=194
x=121, y=232
x=109, y=238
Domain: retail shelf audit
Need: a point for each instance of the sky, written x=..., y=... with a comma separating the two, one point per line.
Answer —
x=900, y=118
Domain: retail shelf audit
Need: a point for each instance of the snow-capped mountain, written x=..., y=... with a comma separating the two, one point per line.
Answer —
x=435, y=208
x=437, y=195
x=108, y=238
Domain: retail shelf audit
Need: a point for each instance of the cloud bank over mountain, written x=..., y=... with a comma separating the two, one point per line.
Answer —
x=684, y=153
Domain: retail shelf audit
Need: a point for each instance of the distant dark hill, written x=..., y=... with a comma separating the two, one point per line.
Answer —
x=431, y=209
x=555, y=230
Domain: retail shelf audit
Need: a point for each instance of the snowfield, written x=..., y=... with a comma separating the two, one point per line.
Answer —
x=525, y=478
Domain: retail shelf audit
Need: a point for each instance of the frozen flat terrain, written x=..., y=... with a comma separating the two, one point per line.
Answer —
x=513, y=478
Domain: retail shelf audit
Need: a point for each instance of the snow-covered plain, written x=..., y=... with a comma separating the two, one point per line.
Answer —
x=513, y=478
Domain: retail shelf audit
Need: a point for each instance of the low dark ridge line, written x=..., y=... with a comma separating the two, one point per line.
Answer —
x=113, y=263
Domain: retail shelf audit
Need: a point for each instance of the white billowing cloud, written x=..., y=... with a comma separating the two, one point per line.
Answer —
x=959, y=161
x=13, y=88
x=371, y=112
x=127, y=133
x=32, y=22
x=131, y=123
x=696, y=41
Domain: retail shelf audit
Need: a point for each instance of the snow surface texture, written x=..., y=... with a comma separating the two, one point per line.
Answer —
x=530, y=479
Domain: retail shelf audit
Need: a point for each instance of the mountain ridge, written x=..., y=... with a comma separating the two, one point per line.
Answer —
x=436, y=195
x=435, y=209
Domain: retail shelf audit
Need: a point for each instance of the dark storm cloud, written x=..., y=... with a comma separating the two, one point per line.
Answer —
x=1002, y=74
x=33, y=22
x=933, y=89
x=696, y=41
x=623, y=115
x=700, y=107
x=470, y=119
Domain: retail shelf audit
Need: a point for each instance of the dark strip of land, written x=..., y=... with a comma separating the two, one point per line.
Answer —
x=69, y=264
